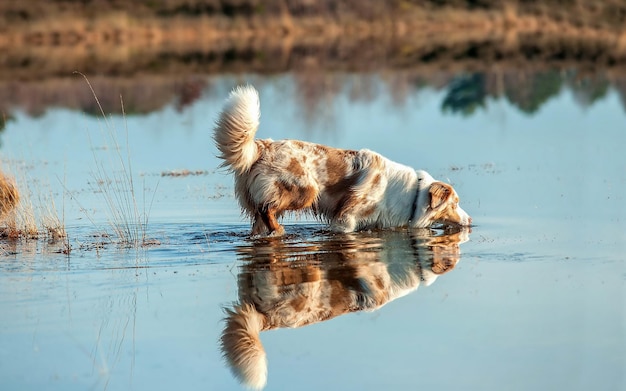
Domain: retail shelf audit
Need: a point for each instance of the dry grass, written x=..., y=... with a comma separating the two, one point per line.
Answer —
x=18, y=216
x=16, y=213
x=51, y=223
x=21, y=218
x=9, y=196
x=113, y=178
x=26, y=212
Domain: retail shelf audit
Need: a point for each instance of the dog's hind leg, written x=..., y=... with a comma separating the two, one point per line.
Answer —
x=268, y=215
x=258, y=226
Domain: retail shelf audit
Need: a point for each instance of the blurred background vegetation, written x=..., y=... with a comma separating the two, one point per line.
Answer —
x=155, y=52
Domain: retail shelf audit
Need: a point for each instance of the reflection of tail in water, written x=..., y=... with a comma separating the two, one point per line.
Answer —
x=242, y=346
x=287, y=284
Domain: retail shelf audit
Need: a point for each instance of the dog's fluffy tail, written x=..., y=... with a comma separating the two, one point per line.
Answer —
x=241, y=345
x=235, y=129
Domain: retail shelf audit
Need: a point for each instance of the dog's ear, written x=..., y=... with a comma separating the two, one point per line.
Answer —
x=439, y=194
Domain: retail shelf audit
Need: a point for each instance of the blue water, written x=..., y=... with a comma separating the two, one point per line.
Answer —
x=535, y=300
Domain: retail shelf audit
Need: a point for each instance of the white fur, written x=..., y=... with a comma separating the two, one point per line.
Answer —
x=236, y=128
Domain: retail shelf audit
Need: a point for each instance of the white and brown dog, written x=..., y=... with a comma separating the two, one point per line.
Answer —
x=351, y=190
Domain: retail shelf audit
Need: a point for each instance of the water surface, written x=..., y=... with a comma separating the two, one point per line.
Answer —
x=532, y=298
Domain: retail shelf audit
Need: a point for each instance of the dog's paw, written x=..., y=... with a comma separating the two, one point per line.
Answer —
x=280, y=231
x=344, y=225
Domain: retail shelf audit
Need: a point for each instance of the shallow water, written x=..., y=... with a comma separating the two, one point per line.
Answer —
x=532, y=298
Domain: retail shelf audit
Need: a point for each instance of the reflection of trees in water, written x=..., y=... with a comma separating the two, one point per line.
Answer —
x=589, y=90
x=4, y=119
x=465, y=94
x=315, y=91
x=528, y=92
x=620, y=86
x=190, y=91
x=141, y=95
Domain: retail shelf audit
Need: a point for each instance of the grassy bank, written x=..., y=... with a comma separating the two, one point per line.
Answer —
x=26, y=212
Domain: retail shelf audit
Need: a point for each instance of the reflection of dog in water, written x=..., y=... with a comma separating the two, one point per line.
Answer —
x=288, y=286
x=351, y=190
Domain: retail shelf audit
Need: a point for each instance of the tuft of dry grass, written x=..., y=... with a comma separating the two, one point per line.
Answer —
x=51, y=224
x=9, y=196
x=113, y=179
x=20, y=218
x=16, y=217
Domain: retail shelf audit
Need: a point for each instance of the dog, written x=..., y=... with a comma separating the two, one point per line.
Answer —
x=282, y=286
x=351, y=190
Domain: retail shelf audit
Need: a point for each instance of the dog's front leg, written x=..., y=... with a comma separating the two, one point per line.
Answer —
x=268, y=216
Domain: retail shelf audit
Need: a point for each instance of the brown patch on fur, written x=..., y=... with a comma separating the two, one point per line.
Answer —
x=343, y=185
x=299, y=144
x=439, y=194
x=343, y=193
x=336, y=166
x=295, y=167
x=369, y=211
x=347, y=204
x=380, y=284
x=298, y=303
x=293, y=197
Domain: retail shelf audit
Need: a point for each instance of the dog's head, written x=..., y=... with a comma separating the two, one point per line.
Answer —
x=437, y=202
